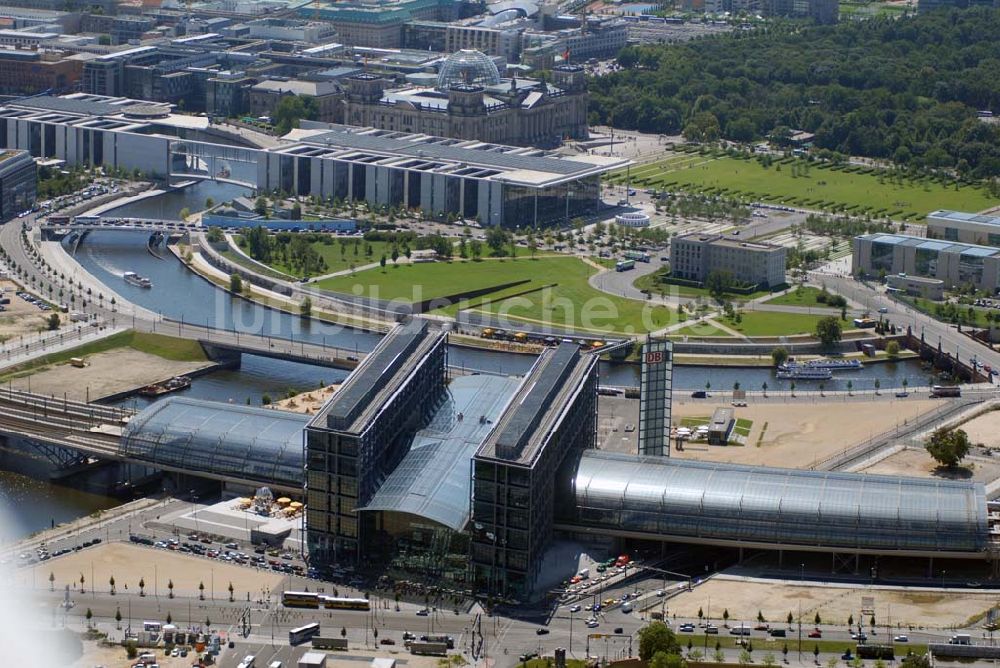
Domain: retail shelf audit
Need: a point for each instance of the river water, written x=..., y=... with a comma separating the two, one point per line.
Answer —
x=182, y=295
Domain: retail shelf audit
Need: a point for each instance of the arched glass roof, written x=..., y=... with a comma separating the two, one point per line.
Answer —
x=727, y=502
x=433, y=480
x=250, y=444
x=468, y=67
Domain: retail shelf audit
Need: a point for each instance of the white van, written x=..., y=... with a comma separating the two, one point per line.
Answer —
x=247, y=661
x=275, y=664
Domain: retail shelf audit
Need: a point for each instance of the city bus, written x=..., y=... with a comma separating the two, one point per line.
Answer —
x=303, y=633
x=638, y=256
x=300, y=599
x=448, y=641
x=946, y=391
x=333, y=603
x=624, y=265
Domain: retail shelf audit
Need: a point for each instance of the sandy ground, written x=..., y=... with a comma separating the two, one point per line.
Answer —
x=105, y=374
x=795, y=435
x=307, y=402
x=19, y=317
x=834, y=603
x=984, y=429
x=114, y=657
x=914, y=462
x=129, y=563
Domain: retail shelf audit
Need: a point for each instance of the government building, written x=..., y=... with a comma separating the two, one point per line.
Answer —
x=471, y=101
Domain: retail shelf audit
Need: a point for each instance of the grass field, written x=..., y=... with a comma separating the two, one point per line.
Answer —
x=246, y=263
x=809, y=185
x=801, y=296
x=353, y=254
x=167, y=347
x=699, y=329
x=775, y=323
x=557, y=292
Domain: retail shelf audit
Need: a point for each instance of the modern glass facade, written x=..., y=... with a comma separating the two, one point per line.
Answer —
x=517, y=486
x=654, y=400
x=18, y=179
x=363, y=433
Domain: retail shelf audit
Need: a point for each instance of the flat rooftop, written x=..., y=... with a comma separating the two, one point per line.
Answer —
x=510, y=164
x=962, y=217
x=537, y=406
x=938, y=245
x=378, y=376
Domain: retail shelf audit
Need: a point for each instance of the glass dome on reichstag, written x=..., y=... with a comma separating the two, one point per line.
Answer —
x=468, y=67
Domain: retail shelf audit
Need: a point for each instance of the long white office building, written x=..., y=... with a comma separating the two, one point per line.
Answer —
x=492, y=183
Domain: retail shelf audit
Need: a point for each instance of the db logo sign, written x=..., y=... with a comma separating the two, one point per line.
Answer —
x=654, y=357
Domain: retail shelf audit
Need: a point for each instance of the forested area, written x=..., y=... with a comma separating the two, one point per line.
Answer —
x=901, y=89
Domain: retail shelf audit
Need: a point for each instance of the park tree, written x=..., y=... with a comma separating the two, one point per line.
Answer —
x=296, y=212
x=665, y=660
x=169, y=618
x=305, y=308
x=170, y=588
x=892, y=349
x=231, y=590
x=912, y=660
x=118, y=618
x=89, y=615
x=53, y=322
x=948, y=446
x=52, y=581
x=235, y=283
x=718, y=284
x=657, y=637
x=828, y=330
x=142, y=587
x=817, y=620
x=111, y=583
x=260, y=206
x=779, y=356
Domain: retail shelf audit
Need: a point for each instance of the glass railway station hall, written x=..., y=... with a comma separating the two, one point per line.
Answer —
x=474, y=480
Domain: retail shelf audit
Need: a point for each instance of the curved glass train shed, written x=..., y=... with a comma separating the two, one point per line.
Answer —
x=713, y=503
x=225, y=441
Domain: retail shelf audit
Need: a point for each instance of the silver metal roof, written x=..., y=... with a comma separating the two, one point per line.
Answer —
x=727, y=502
x=254, y=444
x=433, y=480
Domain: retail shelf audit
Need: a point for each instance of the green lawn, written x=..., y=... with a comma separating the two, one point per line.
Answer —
x=743, y=427
x=801, y=296
x=353, y=253
x=820, y=187
x=557, y=292
x=775, y=323
x=699, y=329
x=247, y=263
x=167, y=347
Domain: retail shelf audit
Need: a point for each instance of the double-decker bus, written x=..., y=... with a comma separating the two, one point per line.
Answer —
x=303, y=633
